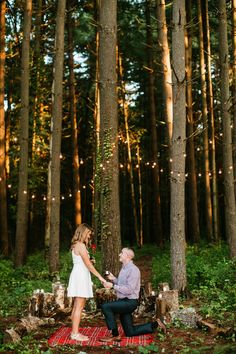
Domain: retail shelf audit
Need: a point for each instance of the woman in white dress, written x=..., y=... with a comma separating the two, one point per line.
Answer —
x=80, y=284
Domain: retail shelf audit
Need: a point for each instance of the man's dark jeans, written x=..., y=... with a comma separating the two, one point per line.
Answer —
x=124, y=307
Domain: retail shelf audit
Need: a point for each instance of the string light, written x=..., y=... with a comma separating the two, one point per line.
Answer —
x=90, y=185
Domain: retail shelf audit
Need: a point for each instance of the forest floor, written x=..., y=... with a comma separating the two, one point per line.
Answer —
x=177, y=339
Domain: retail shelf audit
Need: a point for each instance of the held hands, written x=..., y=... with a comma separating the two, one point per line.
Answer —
x=108, y=285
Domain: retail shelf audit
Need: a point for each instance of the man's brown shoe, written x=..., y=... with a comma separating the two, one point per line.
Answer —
x=161, y=325
x=110, y=339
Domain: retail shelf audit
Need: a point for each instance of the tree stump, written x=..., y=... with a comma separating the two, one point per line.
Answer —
x=36, y=303
x=166, y=301
x=47, y=304
x=58, y=290
x=148, y=289
x=104, y=295
x=163, y=287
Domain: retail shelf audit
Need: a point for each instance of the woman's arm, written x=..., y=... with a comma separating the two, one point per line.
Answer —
x=82, y=251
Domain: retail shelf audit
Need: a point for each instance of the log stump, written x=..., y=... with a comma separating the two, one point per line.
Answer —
x=24, y=326
x=43, y=304
x=104, y=295
x=166, y=301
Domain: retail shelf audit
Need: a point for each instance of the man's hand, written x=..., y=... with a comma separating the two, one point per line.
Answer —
x=110, y=276
x=108, y=285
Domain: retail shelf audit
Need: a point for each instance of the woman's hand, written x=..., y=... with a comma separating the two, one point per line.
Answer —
x=108, y=285
x=102, y=280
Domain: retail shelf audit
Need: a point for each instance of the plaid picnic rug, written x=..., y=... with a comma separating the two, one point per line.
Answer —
x=62, y=337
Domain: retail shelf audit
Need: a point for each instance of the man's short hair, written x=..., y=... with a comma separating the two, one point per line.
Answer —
x=129, y=252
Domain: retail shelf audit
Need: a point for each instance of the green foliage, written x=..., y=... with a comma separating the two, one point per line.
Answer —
x=210, y=277
x=17, y=285
x=161, y=271
x=27, y=345
x=152, y=348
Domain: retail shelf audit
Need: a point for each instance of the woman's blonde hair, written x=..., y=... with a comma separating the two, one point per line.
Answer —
x=79, y=233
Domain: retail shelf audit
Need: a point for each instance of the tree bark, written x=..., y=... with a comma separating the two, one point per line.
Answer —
x=191, y=183
x=22, y=202
x=207, y=194
x=166, y=67
x=156, y=205
x=215, y=207
x=229, y=196
x=55, y=141
x=129, y=153
x=97, y=154
x=110, y=212
x=73, y=117
x=177, y=212
x=4, y=248
x=234, y=88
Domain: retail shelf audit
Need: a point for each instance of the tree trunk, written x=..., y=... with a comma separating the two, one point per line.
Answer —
x=191, y=184
x=234, y=88
x=207, y=194
x=215, y=206
x=74, y=127
x=4, y=248
x=140, y=194
x=129, y=153
x=110, y=212
x=156, y=206
x=55, y=142
x=229, y=196
x=166, y=67
x=97, y=157
x=22, y=202
x=177, y=210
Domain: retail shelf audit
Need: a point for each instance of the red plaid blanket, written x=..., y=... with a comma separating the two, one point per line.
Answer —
x=62, y=337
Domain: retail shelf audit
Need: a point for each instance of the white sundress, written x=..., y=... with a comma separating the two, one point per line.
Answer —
x=80, y=283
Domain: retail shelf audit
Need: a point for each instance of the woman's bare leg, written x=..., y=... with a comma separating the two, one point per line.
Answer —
x=79, y=303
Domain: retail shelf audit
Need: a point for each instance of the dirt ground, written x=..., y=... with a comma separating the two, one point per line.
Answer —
x=177, y=340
